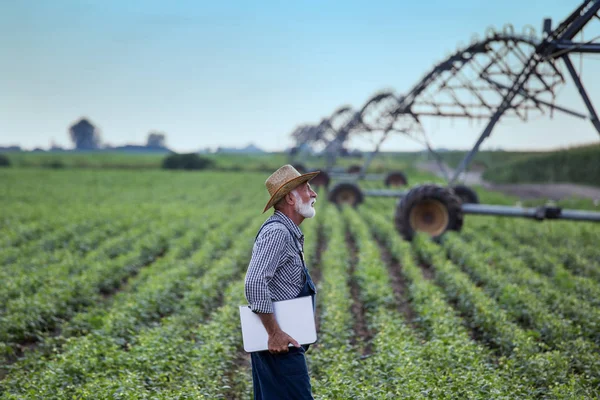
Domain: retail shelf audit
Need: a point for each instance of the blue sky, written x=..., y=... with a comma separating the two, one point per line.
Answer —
x=239, y=72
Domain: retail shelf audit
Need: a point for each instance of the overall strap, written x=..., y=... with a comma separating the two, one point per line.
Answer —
x=289, y=230
x=300, y=251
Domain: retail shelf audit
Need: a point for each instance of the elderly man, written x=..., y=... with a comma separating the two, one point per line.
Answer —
x=277, y=272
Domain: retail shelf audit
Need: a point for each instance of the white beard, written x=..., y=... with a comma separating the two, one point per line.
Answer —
x=304, y=209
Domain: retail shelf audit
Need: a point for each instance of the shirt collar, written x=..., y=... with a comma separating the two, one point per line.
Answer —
x=289, y=223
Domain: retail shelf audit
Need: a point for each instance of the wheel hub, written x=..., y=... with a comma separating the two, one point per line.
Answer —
x=346, y=197
x=429, y=216
x=396, y=181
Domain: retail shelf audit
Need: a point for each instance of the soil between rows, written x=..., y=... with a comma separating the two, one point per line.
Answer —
x=361, y=330
x=399, y=284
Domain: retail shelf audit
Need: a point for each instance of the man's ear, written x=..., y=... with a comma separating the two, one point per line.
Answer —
x=290, y=199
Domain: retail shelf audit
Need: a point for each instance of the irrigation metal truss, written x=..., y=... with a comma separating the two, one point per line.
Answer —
x=503, y=75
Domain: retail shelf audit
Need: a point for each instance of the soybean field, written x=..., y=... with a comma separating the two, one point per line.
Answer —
x=126, y=285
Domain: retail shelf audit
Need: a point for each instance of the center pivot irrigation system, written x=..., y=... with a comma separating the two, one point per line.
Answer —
x=330, y=137
x=503, y=75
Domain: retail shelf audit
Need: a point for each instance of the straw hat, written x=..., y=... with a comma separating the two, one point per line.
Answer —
x=283, y=181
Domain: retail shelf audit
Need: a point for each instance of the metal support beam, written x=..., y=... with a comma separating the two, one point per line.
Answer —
x=537, y=213
x=526, y=95
x=517, y=86
x=579, y=47
x=582, y=92
x=581, y=21
x=384, y=193
x=486, y=132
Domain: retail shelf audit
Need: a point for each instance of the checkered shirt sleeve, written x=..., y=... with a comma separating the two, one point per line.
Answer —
x=266, y=256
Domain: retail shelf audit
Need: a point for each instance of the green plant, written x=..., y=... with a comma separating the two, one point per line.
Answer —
x=4, y=161
x=189, y=161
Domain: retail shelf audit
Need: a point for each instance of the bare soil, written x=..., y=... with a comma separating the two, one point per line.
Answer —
x=427, y=271
x=242, y=361
x=316, y=268
x=399, y=284
x=361, y=330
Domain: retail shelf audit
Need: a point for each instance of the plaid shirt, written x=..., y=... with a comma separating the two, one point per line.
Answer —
x=275, y=271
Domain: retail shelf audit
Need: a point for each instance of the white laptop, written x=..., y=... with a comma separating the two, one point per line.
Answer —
x=295, y=317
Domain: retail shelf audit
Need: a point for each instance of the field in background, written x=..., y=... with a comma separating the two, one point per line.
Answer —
x=577, y=165
x=381, y=163
x=125, y=284
x=574, y=165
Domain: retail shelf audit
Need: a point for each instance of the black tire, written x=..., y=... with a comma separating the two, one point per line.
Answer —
x=466, y=194
x=354, y=169
x=396, y=178
x=346, y=193
x=320, y=180
x=300, y=168
x=429, y=208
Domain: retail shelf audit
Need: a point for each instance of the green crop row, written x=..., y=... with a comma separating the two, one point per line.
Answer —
x=80, y=235
x=521, y=354
x=518, y=271
x=396, y=367
x=181, y=285
x=26, y=232
x=524, y=305
x=333, y=355
x=192, y=351
x=181, y=246
x=26, y=316
x=39, y=294
x=574, y=244
x=158, y=295
x=464, y=366
x=50, y=270
x=540, y=257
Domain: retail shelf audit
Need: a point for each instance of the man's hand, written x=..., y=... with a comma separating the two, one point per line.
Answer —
x=278, y=339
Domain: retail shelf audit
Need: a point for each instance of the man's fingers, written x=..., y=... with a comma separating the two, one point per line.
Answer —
x=281, y=343
x=294, y=342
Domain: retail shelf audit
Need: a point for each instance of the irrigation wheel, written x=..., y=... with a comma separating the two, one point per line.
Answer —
x=396, y=178
x=346, y=193
x=354, y=169
x=431, y=209
x=300, y=168
x=320, y=180
x=466, y=194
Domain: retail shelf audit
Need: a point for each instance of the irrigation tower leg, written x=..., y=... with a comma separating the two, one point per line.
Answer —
x=506, y=102
x=372, y=155
x=582, y=92
x=486, y=132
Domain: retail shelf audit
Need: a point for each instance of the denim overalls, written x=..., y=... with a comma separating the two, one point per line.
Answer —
x=284, y=376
